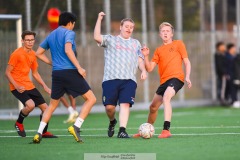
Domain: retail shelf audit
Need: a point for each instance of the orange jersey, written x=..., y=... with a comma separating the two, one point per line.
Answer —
x=22, y=62
x=169, y=59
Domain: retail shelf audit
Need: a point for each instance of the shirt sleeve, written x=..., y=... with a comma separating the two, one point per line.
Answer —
x=45, y=44
x=34, y=65
x=182, y=50
x=105, y=40
x=13, y=60
x=155, y=57
x=139, y=52
x=70, y=37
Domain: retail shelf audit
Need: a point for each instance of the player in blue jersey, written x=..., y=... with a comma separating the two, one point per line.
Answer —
x=122, y=58
x=67, y=75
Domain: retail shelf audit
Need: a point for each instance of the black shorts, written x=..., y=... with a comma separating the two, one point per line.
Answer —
x=68, y=81
x=118, y=91
x=33, y=94
x=173, y=82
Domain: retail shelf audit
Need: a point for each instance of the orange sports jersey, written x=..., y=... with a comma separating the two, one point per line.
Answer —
x=169, y=59
x=22, y=62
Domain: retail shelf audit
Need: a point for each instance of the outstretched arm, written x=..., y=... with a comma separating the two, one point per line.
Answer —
x=149, y=65
x=142, y=68
x=188, y=71
x=39, y=79
x=41, y=55
x=97, y=29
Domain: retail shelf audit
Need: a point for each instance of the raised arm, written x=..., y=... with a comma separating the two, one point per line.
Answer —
x=39, y=79
x=97, y=29
x=149, y=65
x=187, y=65
x=73, y=59
x=41, y=55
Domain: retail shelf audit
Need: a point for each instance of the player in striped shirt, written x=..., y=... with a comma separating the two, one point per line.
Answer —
x=122, y=59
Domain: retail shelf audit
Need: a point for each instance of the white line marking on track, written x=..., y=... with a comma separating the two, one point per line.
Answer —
x=105, y=129
x=105, y=136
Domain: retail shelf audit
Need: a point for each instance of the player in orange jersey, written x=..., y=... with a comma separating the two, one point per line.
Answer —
x=169, y=58
x=22, y=60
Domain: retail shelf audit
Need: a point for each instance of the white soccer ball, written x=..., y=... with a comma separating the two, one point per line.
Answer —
x=146, y=130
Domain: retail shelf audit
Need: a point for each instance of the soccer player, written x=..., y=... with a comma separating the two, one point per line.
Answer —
x=67, y=75
x=21, y=61
x=169, y=58
x=122, y=58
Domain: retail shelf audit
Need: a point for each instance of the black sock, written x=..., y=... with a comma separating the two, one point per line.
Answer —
x=166, y=125
x=113, y=121
x=21, y=117
x=45, y=129
x=122, y=129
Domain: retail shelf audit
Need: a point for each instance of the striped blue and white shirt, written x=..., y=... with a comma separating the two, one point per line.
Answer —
x=121, y=57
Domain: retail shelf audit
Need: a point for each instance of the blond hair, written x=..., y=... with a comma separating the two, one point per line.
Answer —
x=165, y=24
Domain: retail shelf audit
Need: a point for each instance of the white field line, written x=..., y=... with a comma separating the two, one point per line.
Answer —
x=104, y=129
x=105, y=136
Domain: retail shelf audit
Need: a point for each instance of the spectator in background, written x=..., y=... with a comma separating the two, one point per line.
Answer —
x=236, y=80
x=220, y=66
x=231, y=91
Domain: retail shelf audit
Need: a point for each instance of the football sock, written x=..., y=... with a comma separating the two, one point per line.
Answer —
x=41, y=127
x=78, y=123
x=122, y=129
x=70, y=110
x=166, y=125
x=21, y=117
x=46, y=127
x=113, y=121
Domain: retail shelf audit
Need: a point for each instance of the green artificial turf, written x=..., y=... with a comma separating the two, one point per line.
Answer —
x=198, y=133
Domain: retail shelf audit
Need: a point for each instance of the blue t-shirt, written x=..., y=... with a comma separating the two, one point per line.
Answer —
x=56, y=41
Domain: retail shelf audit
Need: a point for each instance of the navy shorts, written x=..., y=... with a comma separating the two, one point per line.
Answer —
x=33, y=94
x=173, y=82
x=68, y=81
x=118, y=91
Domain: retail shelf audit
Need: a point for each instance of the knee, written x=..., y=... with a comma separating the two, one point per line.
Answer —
x=109, y=108
x=166, y=99
x=153, y=108
x=91, y=98
x=29, y=106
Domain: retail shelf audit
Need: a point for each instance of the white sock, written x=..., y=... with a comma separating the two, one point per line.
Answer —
x=78, y=123
x=70, y=109
x=41, y=127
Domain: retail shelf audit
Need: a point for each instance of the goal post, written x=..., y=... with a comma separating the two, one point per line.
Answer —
x=18, y=19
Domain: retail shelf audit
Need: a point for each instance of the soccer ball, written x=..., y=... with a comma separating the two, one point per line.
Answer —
x=146, y=130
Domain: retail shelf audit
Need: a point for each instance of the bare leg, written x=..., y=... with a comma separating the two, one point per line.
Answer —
x=110, y=110
x=64, y=101
x=124, y=114
x=49, y=111
x=72, y=101
x=29, y=106
x=153, y=109
x=90, y=100
x=169, y=93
